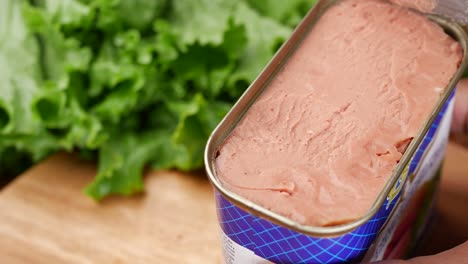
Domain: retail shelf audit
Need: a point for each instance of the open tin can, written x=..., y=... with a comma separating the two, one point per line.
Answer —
x=394, y=224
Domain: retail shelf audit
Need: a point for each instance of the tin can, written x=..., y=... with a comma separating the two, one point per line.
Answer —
x=253, y=234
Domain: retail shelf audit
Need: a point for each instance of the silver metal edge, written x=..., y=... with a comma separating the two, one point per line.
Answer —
x=237, y=112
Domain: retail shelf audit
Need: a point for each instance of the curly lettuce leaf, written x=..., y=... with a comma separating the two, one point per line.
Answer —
x=68, y=12
x=286, y=12
x=264, y=36
x=124, y=156
x=198, y=118
x=117, y=15
x=190, y=22
x=121, y=161
x=19, y=71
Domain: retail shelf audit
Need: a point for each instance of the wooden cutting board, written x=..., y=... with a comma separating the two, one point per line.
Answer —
x=45, y=218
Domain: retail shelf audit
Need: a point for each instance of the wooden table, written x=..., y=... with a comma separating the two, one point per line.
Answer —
x=45, y=218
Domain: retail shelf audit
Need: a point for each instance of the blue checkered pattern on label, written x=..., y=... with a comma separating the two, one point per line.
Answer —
x=428, y=138
x=281, y=245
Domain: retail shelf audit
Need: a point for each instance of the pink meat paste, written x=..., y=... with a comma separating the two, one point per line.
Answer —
x=321, y=142
x=425, y=6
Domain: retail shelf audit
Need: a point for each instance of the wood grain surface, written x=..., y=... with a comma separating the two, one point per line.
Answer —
x=44, y=217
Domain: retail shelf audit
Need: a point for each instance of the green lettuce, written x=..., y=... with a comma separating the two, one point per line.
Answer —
x=130, y=83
